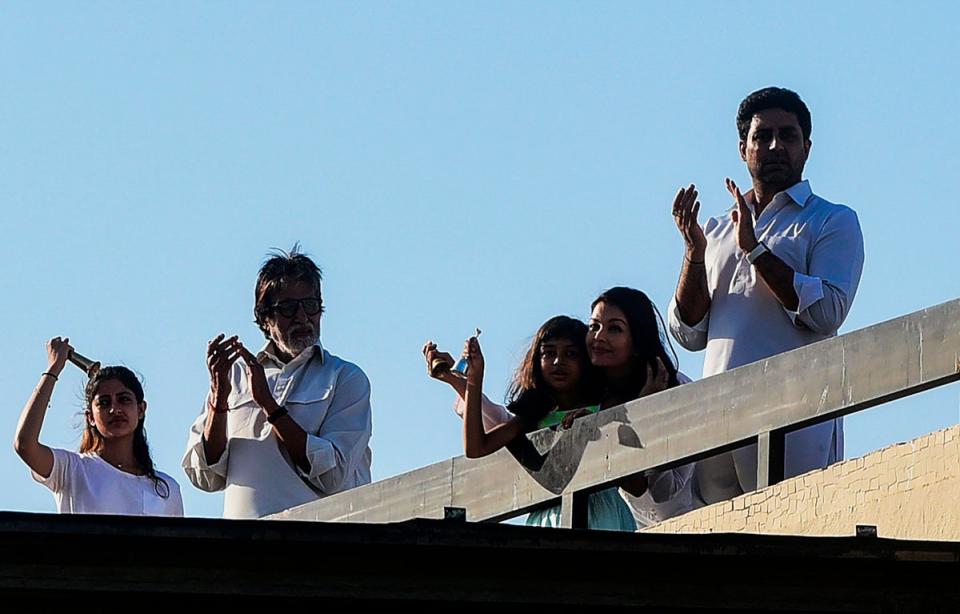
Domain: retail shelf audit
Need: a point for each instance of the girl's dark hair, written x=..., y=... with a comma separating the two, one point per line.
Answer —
x=649, y=338
x=92, y=440
x=529, y=396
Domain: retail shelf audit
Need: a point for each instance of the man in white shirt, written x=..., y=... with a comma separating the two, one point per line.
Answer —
x=290, y=424
x=776, y=272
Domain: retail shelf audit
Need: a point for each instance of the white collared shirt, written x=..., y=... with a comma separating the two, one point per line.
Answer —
x=328, y=397
x=823, y=244
x=819, y=240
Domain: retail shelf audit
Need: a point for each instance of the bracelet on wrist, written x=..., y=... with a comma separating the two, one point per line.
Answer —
x=55, y=378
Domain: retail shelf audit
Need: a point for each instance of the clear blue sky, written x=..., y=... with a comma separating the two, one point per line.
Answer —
x=450, y=165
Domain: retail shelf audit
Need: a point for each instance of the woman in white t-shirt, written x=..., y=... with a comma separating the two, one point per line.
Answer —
x=113, y=472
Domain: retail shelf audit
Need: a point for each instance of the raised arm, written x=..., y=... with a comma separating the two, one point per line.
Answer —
x=692, y=298
x=477, y=442
x=457, y=382
x=290, y=434
x=820, y=299
x=221, y=354
x=775, y=273
x=26, y=441
x=494, y=414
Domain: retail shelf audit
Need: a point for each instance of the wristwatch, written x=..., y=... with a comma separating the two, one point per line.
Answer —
x=756, y=252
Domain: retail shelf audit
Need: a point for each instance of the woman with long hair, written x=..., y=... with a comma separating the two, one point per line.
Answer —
x=554, y=382
x=627, y=343
x=113, y=473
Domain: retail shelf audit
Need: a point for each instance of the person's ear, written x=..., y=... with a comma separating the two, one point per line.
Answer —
x=142, y=409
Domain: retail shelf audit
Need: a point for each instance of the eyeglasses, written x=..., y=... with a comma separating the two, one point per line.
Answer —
x=288, y=308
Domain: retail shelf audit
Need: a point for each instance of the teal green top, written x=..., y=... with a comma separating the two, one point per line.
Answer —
x=556, y=416
x=606, y=510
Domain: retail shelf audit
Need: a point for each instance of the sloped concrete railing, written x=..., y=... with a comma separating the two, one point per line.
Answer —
x=760, y=402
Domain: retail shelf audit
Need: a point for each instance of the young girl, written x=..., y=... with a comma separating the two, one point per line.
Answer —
x=113, y=473
x=553, y=383
x=626, y=342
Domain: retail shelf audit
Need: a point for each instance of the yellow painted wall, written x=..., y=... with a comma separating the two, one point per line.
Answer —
x=908, y=490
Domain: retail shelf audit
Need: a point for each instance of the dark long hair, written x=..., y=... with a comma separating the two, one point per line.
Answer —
x=529, y=396
x=92, y=440
x=649, y=338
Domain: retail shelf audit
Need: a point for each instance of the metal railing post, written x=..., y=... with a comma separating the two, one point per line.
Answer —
x=770, y=446
x=573, y=510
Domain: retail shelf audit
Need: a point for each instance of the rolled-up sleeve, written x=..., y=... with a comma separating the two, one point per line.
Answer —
x=693, y=337
x=206, y=477
x=827, y=290
x=340, y=446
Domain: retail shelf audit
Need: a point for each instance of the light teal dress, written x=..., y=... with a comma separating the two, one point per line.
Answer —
x=606, y=510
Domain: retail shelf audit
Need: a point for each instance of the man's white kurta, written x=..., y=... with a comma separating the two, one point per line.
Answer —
x=823, y=244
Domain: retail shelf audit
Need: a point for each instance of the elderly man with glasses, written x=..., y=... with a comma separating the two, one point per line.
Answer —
x=290, y=424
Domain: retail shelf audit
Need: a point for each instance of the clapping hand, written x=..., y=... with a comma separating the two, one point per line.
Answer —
x=743, y=218
x=259, y=388
x=686, y=207
x=221, y=354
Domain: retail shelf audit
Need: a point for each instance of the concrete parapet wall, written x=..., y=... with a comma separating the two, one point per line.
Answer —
x=909, y=491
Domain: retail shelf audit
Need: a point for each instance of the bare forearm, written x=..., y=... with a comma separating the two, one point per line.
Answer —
x=477, y=441
x=31, y=418
x=26, y=442
x=693, y=295
x=473, y=431
x=458, y=383
x=778, y=276
x=214, y=435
